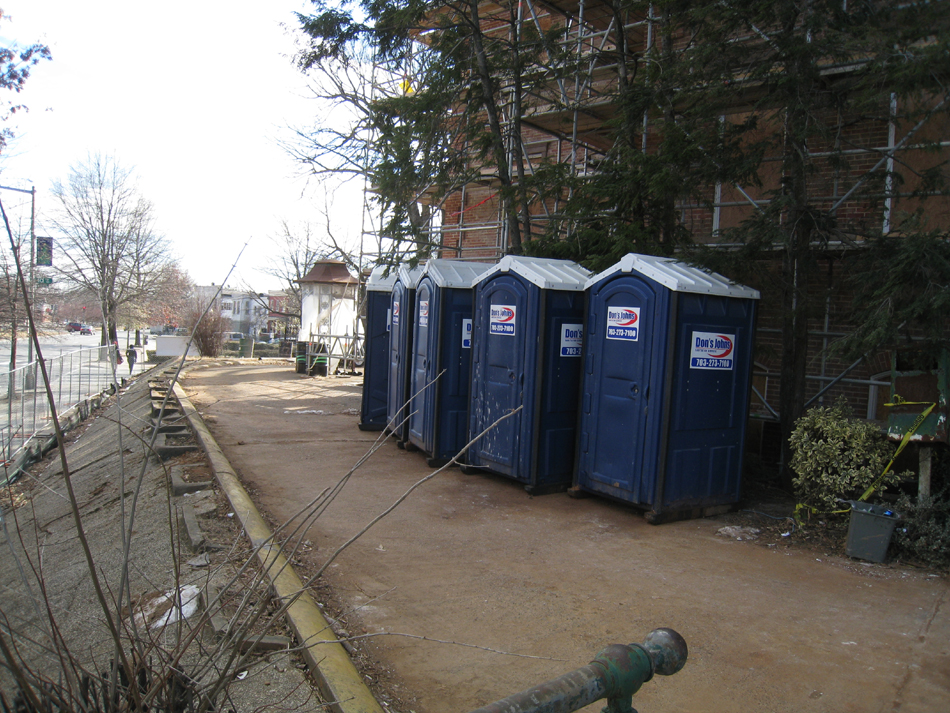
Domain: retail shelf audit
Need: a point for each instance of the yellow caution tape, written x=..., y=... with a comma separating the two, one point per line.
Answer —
x=921, y=417
x=814, y=511
x=898, y=401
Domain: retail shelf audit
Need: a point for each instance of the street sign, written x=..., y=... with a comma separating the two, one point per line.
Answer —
x=44, y=280
x=44, y=252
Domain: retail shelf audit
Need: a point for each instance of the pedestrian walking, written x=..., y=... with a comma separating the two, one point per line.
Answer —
x=131, y=355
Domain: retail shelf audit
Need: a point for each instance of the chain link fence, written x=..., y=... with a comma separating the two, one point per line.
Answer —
x=24, y=408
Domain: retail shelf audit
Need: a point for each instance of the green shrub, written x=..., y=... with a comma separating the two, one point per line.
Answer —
x=837, y=456
x=924, y=533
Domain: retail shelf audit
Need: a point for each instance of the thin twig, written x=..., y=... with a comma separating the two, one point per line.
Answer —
x=61, y=444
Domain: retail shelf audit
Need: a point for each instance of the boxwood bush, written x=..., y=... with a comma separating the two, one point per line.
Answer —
x=837, y=456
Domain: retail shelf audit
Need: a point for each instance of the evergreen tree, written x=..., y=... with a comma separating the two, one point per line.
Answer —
x=666, y=146
x=829, y=79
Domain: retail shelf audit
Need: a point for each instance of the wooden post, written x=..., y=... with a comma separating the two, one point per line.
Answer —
x=923, y=479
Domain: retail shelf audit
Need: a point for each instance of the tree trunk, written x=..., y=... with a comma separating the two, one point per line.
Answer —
x=517, y=108
x=797, y=266
x=494, y=125
x=794, y=352
x=11, y=385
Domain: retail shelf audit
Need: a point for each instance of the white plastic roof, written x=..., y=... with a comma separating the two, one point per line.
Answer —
x=454, y=274
x=377, y=282
x=409, y=276
x=677, y=276
x=546, y=273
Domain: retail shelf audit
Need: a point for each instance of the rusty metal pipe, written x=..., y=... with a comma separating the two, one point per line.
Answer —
x=616, y=673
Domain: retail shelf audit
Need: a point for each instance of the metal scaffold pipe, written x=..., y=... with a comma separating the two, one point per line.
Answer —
x=616, y=673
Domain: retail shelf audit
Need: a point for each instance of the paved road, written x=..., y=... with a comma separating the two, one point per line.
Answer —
x=473, y=559
x=58, y=343
x=76, y=368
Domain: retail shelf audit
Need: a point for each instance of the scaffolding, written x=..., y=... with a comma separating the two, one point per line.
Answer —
x=565, y=119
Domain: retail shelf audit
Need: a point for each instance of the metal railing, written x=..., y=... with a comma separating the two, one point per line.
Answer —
x=615, y=674
x=24, y=408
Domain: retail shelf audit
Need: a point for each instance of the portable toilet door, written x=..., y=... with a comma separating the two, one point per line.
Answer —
x=667, y=373
x=527, y=337
x=379, y=289
x=441, y=358
x=400, y=345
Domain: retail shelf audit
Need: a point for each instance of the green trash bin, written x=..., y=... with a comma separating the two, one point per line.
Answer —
x=300, y=352
x=319, y=364
x=870, y=530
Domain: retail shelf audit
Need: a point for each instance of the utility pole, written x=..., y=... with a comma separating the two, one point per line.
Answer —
x=29, y=380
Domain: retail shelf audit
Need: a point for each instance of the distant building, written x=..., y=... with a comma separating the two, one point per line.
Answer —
x=279, y=321
x=248, y=311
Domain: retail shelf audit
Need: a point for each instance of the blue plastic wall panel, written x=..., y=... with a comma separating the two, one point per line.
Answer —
x=560, y=374
x=518, y=337
x=623, y=393
x=442, y=367
x=376, y=366
x=400, y=345
x=711, y=376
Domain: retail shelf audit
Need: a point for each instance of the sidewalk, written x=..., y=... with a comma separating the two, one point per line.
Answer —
x=471, y=590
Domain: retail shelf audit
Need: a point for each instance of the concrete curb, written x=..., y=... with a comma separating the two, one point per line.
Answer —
x=330, y=665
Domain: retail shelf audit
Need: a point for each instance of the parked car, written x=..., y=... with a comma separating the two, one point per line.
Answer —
x=233, y=336
x=85, y=329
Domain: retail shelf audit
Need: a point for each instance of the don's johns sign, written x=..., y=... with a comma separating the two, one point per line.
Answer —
x=502, y=320
x=710, y=350
x=623, y=323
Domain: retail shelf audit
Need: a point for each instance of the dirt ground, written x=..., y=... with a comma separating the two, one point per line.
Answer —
x=471, y=590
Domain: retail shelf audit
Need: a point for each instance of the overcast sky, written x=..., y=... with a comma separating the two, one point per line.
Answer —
x=193, y=95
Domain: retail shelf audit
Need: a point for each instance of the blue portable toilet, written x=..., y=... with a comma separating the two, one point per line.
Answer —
x=527, y=341
x=667, y=373
x=442, y=357
x=379, y=287
x=400, y=346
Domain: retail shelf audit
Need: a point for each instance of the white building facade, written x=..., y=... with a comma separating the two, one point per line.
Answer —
x=248, y=311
